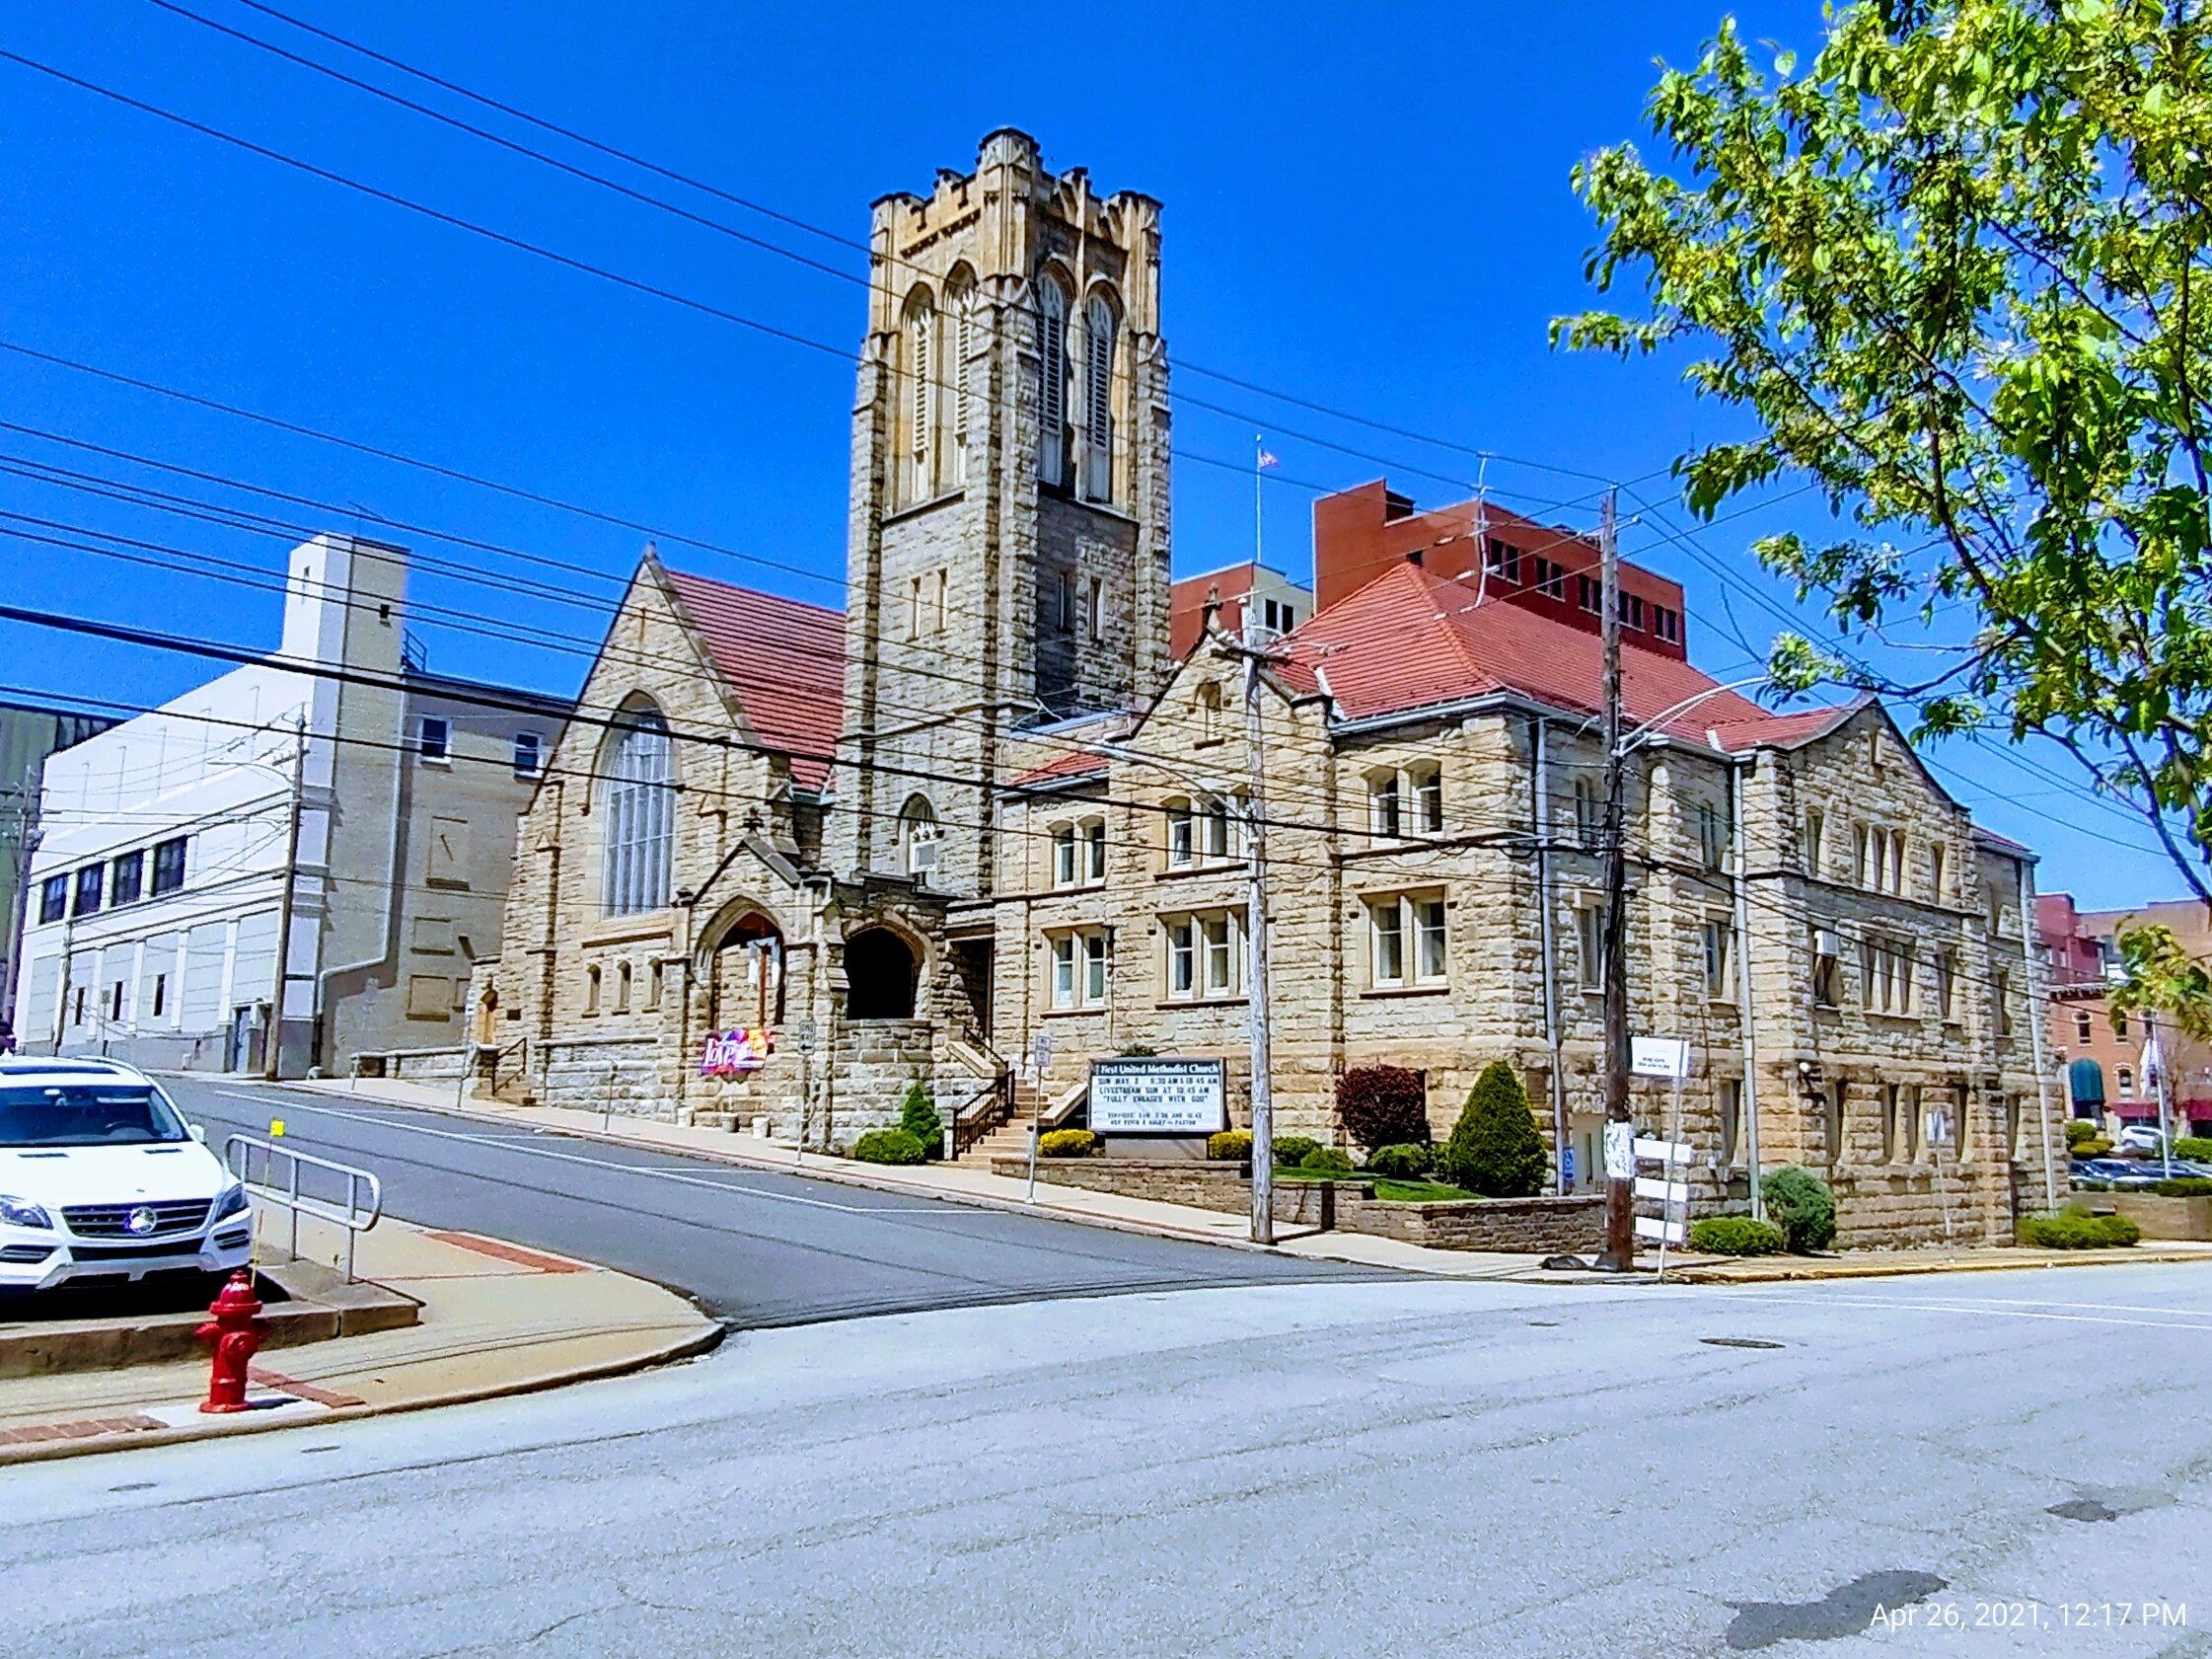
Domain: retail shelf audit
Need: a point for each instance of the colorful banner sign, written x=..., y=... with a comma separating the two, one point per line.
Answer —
x=735, y=1051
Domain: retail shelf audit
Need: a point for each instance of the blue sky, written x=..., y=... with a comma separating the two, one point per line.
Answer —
x=1370, y=211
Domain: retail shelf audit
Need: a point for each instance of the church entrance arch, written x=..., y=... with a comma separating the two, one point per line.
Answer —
x=881, y=973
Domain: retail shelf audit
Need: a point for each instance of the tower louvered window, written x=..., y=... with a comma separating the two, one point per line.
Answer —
x=1051, y=399
x=1098, y=399
x=964, y=342
x=921, y=389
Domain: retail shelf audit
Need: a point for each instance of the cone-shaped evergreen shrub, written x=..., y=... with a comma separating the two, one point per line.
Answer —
x=1495, y=1150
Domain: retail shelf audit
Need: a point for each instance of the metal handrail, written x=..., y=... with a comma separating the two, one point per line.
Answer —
x=353, y=1218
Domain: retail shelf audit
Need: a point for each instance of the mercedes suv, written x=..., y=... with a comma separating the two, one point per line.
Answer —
x=101, y=1177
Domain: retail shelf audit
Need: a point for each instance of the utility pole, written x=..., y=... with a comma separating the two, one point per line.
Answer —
x=1255, y=931
x=274, y=1041
x=1619, y=1253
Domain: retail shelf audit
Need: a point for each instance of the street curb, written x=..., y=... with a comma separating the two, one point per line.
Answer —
x=687, y=1347
x=315, y=1311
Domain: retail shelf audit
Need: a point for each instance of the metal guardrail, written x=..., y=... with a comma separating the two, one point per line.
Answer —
x=352, y=1216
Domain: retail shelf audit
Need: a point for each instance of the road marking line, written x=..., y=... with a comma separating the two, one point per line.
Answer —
x=535, y=1151
x=1959, y=1308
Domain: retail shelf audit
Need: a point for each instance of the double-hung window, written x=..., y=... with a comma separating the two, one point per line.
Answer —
x=126, y=879
x=1182, y=958
x=168, y=866
x=53, y=898
x=1181, y=840
x=1063, y=855
x=1720, y=941
x=1094, y=849
x=1221, y=953
x=91, y=883
x=1080, y=969
x=1407, y=941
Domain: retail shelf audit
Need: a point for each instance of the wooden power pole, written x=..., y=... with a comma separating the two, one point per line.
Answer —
x=1619, y=1253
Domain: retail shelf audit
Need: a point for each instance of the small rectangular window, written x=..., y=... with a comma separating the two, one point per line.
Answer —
x=528, y=756
x=1220, y=964
x=1502, y=559
x=53, y=898
x=1718, y=937
x=1815, y=831
x=1428, y=803
x=1182, y=959
x=161, y=993
x=1063, y=855
x=1094, y=849
x=1589, y=594
x=168, y=866
x=1589, y=940
x=91, y=882
x=1588, y=815
x=1389, y=933
x=1095, y=608
x=1064, y=970
x=1066, y=602
x=1180, y=843
x=1431, y=955
x=127, y=877
x=1632, y=610
x=1382, y=805
x=1947, y=986
x=1094, y=968
x=433, y=739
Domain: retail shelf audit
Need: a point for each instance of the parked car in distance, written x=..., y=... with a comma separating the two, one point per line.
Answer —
x=2141, y=1138
x=101, y=1180
x=2119, y=1171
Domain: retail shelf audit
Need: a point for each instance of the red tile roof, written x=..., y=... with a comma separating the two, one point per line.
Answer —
x=1076, y=762
x=784, y=661
x=1412, y=639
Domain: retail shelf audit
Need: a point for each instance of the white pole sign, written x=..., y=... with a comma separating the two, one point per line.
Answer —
x=1659, y=1057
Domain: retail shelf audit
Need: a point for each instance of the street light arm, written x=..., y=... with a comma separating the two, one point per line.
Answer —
x=1636, y=736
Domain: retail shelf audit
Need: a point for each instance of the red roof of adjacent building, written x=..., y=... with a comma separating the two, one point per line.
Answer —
x=1412, y=639
x=782, y=659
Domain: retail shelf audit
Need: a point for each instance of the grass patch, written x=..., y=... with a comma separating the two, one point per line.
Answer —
x=1394, y=1191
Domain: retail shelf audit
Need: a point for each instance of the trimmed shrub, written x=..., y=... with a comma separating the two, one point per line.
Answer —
x=2092, y=1187
x=1066, y=1143
x=1799, y=1202
x=1384, y=1106
x=1399, y=1161
x=1736, y=1235
x=2078, y=1230
x=1290, y=1150
x=2078, y=1130
x=1327, y=1161
x=1494, y=1150
x=2095, y=1147
x=888, y=1146
x=2183, y=1186
x=1230, y=1145
x=918, y=1116
x=2197, y=1149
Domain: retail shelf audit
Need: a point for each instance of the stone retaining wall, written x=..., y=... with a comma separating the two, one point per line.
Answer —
x=2158, y=1217
x=1521, y=1226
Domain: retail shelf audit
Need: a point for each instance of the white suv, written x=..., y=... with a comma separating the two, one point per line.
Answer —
x=102, y=1178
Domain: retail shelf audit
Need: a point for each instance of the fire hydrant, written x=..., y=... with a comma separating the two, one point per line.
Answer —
x=233, y=1334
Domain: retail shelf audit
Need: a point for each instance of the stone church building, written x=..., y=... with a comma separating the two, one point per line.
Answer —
x=785, y=862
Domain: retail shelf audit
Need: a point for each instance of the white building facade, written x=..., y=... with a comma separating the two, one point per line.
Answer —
x=331, y=806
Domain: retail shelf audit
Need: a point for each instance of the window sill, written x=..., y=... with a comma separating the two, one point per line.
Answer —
x=917, y=509
x=1170, y=1004
x=1094, y=1009
x=1216, y=866
x=1440, y=989
x=443, y=761
x=618, y=930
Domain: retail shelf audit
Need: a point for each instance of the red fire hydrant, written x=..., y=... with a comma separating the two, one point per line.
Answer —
x=233, y=1334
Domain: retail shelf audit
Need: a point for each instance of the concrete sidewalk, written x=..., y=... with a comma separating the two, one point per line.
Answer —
x=495, y=1319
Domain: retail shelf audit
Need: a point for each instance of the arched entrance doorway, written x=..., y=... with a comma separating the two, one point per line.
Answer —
x=881, y=971
x=745, y=974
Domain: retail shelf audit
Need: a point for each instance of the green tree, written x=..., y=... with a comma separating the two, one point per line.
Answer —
x=1493, y=1149
x=2163, y=980
x=918, y=1116
x=1954, y=271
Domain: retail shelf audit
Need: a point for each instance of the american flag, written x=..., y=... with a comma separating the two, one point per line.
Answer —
x=1268, y=457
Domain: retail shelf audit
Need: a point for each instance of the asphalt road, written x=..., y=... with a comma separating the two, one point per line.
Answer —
x=756, y=1248
x=1394, y=1468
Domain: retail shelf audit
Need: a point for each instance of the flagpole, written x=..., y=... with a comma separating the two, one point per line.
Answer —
x=1259, y=461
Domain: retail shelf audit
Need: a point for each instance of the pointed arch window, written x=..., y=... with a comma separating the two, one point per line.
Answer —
x=919, y=838
x=1051, y=391
x=640, y=802
x=1098, y=399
